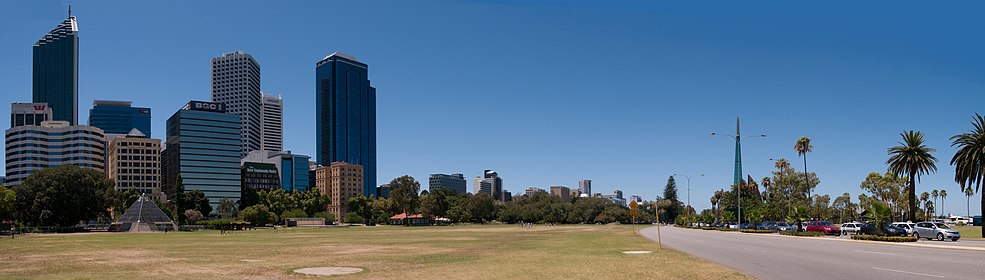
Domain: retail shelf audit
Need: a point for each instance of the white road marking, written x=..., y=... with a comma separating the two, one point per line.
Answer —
x=908, y=272
x=871, y=252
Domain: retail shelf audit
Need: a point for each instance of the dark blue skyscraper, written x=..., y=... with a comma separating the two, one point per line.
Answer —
x=56, y=71
x=203, y=146
x=345, y=105
x=118, y=117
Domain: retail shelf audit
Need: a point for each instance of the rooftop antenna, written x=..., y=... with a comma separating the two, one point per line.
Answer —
x=69, y=10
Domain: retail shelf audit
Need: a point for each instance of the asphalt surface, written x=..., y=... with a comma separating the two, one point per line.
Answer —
x=771, y=256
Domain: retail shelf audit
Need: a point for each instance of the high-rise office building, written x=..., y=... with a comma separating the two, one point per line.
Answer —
x=345, y=104
x=292, y=168
x=495, y=183
x=52, y=144
x=134, y=161
x=272, y=126
x=29, y=114
x=236, y=83
x=56, y=71
x=480, y=185
x=383, y=191
x=454, y=182
x=339, y=181
x=562, y=192
x=119, y=117
x=585, y=186
x=203, y=149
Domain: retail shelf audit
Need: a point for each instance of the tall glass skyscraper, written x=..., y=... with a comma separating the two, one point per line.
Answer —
x=56, y=71
x=203, y=148
x=119, y=117
x=345, y=105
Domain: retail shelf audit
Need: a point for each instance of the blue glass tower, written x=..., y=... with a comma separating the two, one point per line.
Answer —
x=345, y=105
x=203, y=148
x=56, y=71
x=118, y=117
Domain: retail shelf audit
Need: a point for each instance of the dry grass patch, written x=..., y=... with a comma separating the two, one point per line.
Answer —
x=384, y=252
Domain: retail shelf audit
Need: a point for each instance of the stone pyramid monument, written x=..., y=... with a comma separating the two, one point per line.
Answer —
x=143, y=216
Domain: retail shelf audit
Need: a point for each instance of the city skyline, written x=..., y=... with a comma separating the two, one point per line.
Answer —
x=845, y=93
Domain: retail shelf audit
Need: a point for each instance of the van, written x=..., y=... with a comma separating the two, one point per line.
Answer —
x=958, y=220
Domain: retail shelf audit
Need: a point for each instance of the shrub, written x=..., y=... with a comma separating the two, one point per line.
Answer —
x=258, y=215
x=293, y=213
x=216, y=222
x=756, y=231
x=885, y=238
x=193, y=216
x=726, y=229
x=353, y=218
x=708, y=228
x=802, y=233
x=329, y=218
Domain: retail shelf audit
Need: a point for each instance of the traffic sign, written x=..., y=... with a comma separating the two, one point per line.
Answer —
x=633, y=205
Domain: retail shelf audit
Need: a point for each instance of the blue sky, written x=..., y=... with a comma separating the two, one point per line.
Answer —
x=549, y=93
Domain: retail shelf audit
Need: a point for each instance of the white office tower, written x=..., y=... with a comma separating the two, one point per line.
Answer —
x=236, y=83
x=273, y=123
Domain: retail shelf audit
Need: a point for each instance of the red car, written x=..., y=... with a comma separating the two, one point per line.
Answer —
x=824, y=226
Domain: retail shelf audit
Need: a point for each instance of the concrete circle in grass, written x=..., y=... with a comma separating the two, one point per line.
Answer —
x=636, y=252
x=328, y=271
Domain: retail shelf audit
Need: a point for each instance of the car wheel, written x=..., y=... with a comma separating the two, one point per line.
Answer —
x=844, y=232
x=917, y=235
x=940, y=237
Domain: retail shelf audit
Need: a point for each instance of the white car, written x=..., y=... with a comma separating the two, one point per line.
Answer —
x=908, y=226
x=852, y=228
x=957, y=221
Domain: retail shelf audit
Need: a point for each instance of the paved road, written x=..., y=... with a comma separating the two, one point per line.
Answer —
x=780, y=257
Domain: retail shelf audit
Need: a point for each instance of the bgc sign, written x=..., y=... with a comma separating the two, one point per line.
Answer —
x=205, y=106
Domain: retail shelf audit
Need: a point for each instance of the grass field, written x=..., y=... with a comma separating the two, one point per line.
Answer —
x=972, y=232
x=385, y=252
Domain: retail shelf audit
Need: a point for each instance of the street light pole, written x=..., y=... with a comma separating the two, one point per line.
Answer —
x=738, y=165
x=687, y=211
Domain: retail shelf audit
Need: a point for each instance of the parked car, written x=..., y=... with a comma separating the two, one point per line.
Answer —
x=850, y=228
x=908, y=226
x=957, y=220
x=767, y=226
x=935, y=230
x=888, y=230
x=784, y=226
x=803, y=225
x=826, y=227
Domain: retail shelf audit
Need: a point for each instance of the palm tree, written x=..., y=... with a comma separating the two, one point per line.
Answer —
x=935, y=194
x=943, y=194
x=968, y=192
x=969, y=161
x=782, y=165
x=803, y=146
x=714, y=201
x=923, y=200
x=913, y=159
x=929, y=205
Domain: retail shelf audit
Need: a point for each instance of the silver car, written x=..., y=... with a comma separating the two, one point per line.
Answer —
x=905, y=225
x=935, y=230
x=852, y=228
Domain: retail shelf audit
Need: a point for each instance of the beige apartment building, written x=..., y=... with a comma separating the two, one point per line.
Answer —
x=134, y=161
x=339, y=181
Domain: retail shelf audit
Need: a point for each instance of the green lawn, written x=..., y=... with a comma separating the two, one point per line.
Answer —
x=385, y=252
x=970, y=231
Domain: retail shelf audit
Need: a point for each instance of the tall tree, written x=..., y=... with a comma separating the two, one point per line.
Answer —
x=968, y=192
x=913, y=159
x=969, y=160
x=7, y=200
x=65, y=196
x=943, y=194
x=670, y=194
x=404, y=193
x=924, y=197
x=935, y=194
x=802, y=147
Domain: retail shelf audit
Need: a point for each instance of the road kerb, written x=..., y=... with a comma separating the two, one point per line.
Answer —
x=913, y=244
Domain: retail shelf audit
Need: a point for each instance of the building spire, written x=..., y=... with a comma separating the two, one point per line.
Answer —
x=69, y=10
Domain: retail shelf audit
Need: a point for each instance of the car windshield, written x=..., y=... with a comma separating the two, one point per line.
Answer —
x=781, y=224
x=826, y=223
x=941, y=225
